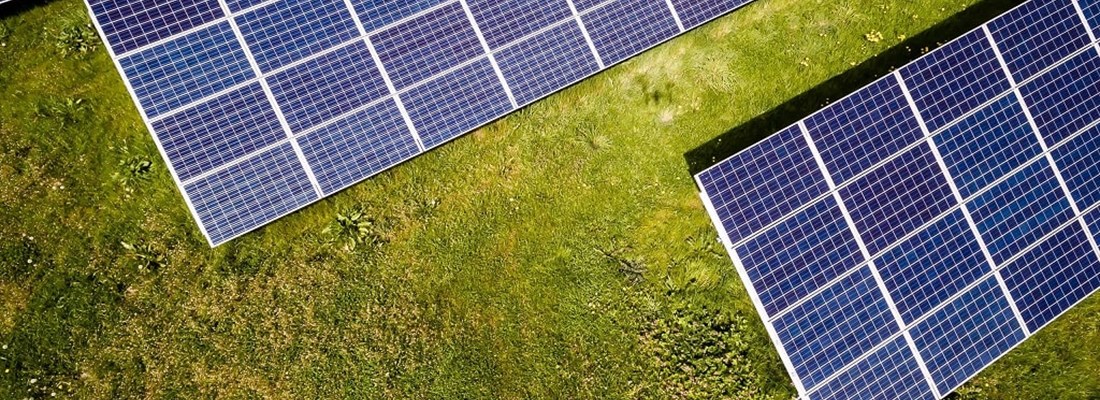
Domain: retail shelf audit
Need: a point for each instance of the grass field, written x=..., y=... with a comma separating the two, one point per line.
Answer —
x=561, y=252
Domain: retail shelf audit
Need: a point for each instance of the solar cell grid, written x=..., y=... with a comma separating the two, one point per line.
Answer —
x=756, y=192
x=898, y=197
x=1079, y=162
x=1053, y=276
x=131, y=24
x=547, y=61
x=1067, y=98
x=290, y=30
x=925, y=270
x=800, y=255
x=456, y=102
x=377, y=14
x=1019, y=210
x=955, y=79
x=623, y=28
x=890, y=372
x=835, y=327
x=967, y=335
x=504, y=21
x=427, y=45
x=1037, y=34
x=863, y=129
x=987, y=145
x=194, y=143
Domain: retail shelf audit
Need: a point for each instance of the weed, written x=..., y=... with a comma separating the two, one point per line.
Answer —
x=66, y=111
x=133, y=171
x=77, y=37
x=632, y=267
x=354, y=228
x=148, y=257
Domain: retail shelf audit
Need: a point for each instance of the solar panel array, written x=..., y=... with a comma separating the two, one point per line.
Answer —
x=903, y=238
x=261, y=107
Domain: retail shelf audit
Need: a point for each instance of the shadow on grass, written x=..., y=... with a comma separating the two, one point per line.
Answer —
x=756, y=129
x=16, y=7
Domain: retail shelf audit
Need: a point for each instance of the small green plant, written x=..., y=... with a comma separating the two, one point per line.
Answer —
x=633, y=268
x=77, y=37
x=69, y=110
x=353, y=228
x=148, y=258
x=132, y=172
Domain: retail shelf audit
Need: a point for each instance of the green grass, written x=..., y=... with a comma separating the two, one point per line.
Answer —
x=561, y=252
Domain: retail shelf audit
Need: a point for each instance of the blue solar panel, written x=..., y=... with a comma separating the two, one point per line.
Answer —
x=836, y=326
x=131, y=24
x=695, y=12
x=505, y=21
x=1079, y=162
x=1053, y=276
x=951, y=286
x=967, y=335
x=624, y=28
x=232, y=201
x=186, y=69
x=800, y=255
x=1091, y=9
x=863, y=129
x=897, y=198
x=764, y=183
x=456, y=102
x=376, y=14
x=327, y=87
x=427, y=45
x=358, y=146
x=546, y=62
x=290, y=30
x=1067, y=98
x=955, y=79
x=988, y=145
x=1037, y=34
x=1020, y=210
x=194, y=143
x=925, y=270
x=890, y=372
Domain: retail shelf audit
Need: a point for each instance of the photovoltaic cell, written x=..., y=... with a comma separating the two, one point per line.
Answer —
x=358, y=146
x=131, y=24
x=505, y=21
x=1037, y=34
x=194, y=143
x=967, y=335
x=764, y=183
x=1020, y=210
x=863, y=129
x=1091, y=9
x=1079, y=162
x=624, y=28
x=891, y=372
x=798, y=256
x=1067, y=98
x=1053, y=276
x=545, y=62
x=456, y=102
x=951, y=287
x=328, y=86
x=290, y=30
x=695, y=12
x=835, y=327
x=427, y=45
x=257, y=189
x=925, y=270
x=988, y=145
x=897, y=198
x=187, y=69
x=955, y=79
x=376, y=14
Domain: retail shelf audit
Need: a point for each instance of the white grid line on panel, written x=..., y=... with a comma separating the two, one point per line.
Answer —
x=149, y=126
x=587, y=37
x=385, y=76
x=870, y=263
x=271, y=98
x=675, y=15
x=1084, y=20
x=1039, y=136
x=910, y=146
x=488, y=53
x=962, y=206
x=755, y=297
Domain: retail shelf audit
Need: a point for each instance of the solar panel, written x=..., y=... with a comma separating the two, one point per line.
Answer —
x=261, y=107
x=902, y=239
